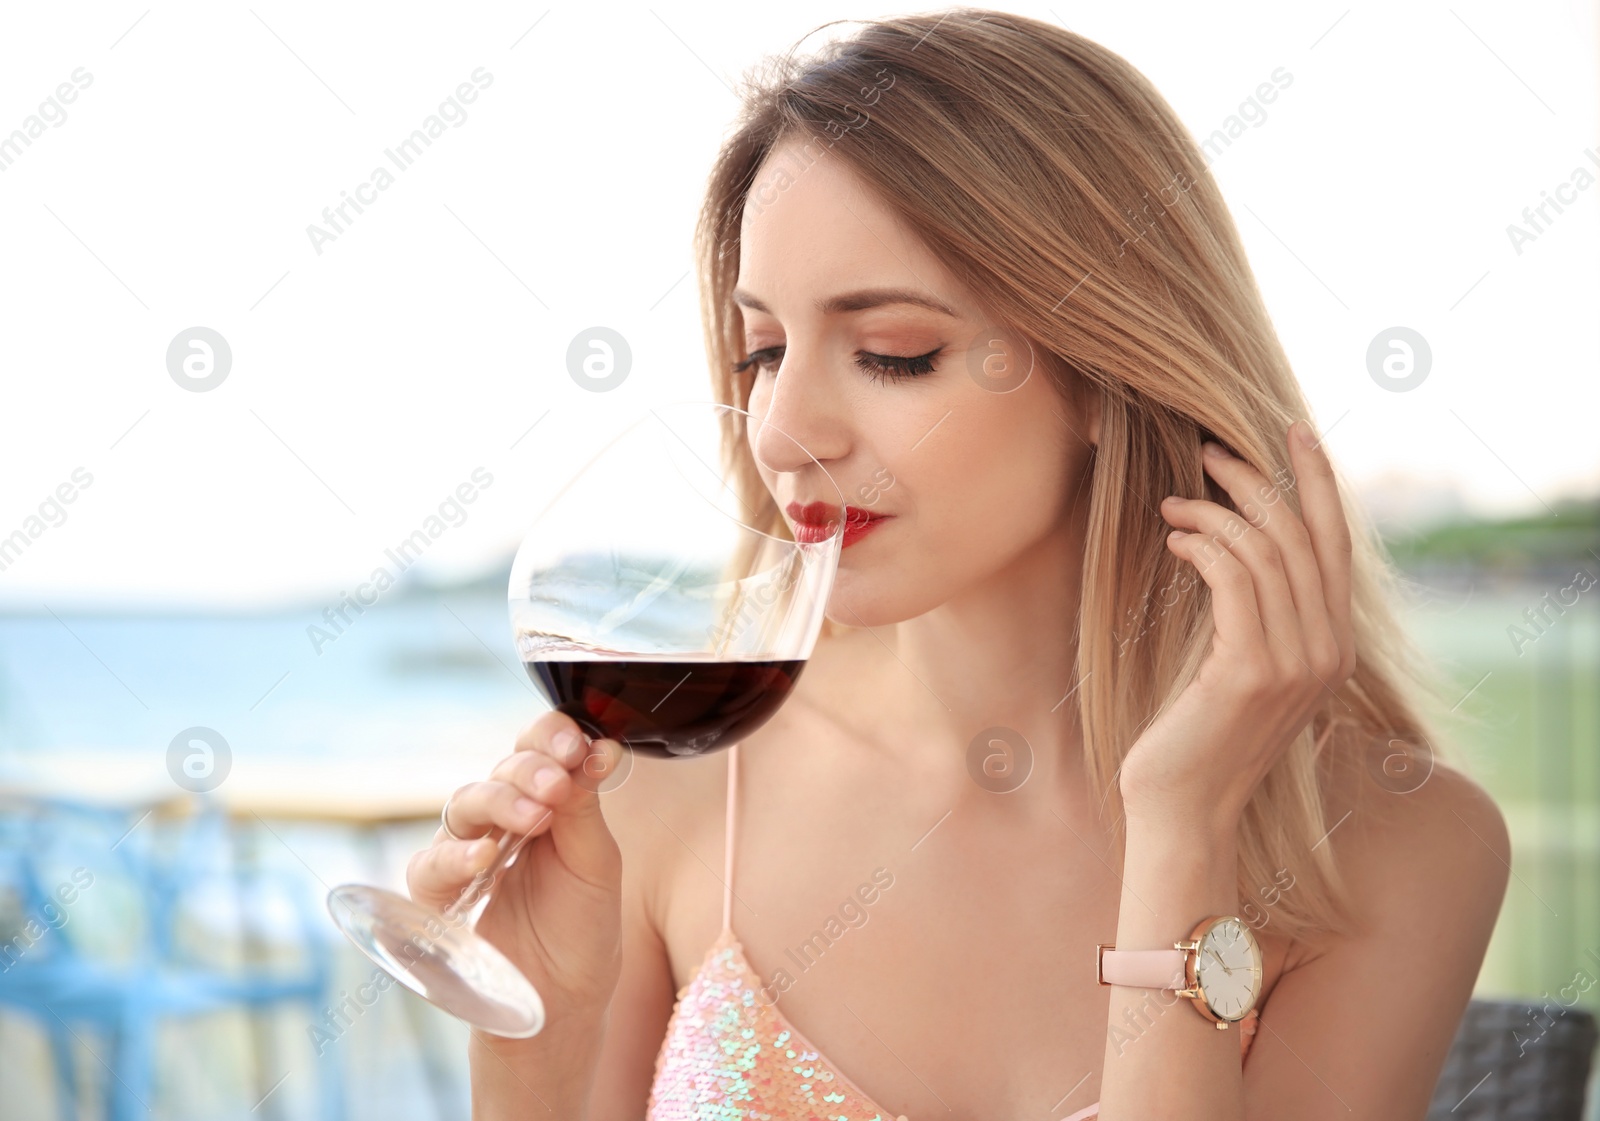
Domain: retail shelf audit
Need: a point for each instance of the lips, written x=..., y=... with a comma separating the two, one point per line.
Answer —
x=817, y=521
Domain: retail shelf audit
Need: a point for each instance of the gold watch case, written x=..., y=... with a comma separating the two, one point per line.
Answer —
x=1231, y=946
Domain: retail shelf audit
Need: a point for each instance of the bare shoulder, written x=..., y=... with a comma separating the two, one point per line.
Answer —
x=1374, y=1011
x=1403, y=854
x=1444, y=843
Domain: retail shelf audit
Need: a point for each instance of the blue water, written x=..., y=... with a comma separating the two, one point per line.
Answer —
x=400, y=676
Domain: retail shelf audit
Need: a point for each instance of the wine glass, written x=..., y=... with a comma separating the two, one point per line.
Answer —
x=661, y=601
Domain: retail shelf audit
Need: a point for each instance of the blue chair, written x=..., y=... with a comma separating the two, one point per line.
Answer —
x=159, y=859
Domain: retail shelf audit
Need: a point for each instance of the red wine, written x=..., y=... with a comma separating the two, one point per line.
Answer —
x=667, y=709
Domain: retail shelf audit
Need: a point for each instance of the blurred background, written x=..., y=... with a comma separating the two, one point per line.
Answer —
x=228, y=408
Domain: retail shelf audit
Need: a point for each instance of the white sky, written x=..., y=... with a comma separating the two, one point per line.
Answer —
x=369, y=382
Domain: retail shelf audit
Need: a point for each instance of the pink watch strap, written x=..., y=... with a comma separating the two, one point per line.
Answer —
x=1144, y=969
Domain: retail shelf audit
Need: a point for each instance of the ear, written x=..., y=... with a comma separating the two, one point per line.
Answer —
x=1087, y=396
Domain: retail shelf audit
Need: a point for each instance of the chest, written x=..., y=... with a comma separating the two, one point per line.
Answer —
x=936, y=953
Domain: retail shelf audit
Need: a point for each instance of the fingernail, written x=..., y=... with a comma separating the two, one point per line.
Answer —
x=543, y=782
x=526, y=806
x=1213, y=449
x=566, y=745
x=1303, y=433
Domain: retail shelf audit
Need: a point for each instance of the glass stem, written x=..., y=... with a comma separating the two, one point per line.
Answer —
x=507, y=847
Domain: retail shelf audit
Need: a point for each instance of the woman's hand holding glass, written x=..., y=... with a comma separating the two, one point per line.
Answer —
x=555, y=912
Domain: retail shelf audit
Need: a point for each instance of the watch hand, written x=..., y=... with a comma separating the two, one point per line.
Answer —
x=1220, y=962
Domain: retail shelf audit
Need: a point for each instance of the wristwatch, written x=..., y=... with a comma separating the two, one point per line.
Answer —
x=1218, y=968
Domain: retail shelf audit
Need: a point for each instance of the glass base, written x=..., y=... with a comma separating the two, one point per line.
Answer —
x=455, y=969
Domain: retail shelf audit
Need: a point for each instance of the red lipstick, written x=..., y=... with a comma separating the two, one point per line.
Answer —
x=817, y=521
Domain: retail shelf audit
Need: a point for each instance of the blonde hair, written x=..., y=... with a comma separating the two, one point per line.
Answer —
x=1017, y=151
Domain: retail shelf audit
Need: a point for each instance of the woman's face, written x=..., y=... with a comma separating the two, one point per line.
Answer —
x=968, y=453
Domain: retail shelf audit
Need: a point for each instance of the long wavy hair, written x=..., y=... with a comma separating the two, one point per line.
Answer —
x=1049, y=175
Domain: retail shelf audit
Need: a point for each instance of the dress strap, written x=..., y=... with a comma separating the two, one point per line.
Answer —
x=727, y=864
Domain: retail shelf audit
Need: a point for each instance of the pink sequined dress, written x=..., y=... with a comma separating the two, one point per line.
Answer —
x=730, y=1056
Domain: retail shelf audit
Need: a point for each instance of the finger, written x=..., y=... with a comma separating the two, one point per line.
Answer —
x=577, y=826
x=557, y=735
x=541, y=777
x=1298, y=562
x=479, y=805
x=602, y=760
x=458, y=820
x=1270, y=596
x=1233, y=604
x=535, y=775
x=1329, y=530
x=437, y=874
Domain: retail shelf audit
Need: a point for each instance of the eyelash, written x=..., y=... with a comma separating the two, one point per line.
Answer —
x=893, y=367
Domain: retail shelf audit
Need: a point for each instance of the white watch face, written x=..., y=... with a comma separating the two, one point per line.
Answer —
x=1228, y=969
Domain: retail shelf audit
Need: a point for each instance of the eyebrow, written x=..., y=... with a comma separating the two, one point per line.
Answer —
x=857, y=301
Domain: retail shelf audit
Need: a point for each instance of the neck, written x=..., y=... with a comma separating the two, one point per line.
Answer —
x=999, y=655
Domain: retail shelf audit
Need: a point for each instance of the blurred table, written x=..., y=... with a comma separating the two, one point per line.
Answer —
x=360, y=792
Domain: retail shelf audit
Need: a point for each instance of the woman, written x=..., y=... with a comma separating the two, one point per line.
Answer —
x=1105, y=663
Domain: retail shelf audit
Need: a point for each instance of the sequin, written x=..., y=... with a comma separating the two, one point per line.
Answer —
x=730, y=1056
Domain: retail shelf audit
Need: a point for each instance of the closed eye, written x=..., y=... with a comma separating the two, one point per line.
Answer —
x=760, y=359
x=894, y=367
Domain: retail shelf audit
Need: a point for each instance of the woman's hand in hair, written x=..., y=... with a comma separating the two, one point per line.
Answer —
x=1282, y=646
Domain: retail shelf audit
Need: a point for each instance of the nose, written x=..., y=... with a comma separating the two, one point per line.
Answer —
x=799, y=412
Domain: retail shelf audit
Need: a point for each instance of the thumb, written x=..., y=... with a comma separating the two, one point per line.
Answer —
x=579, y=830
